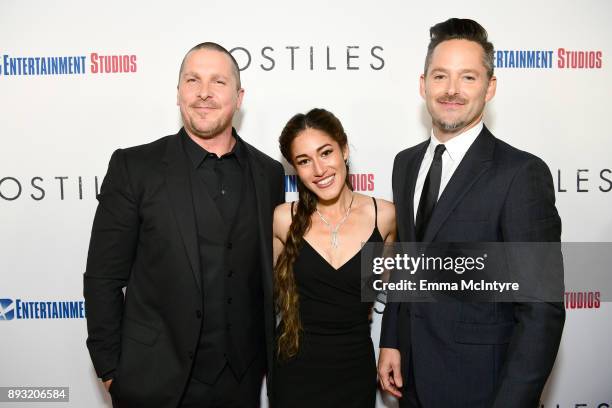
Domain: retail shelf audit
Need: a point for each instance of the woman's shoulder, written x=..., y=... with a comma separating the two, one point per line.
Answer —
x=385, y=206
x=382, y=205
x=282, y=217
x=283, y=211
x=386, y=216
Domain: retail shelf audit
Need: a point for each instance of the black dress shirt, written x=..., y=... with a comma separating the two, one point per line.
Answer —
x=223, y=176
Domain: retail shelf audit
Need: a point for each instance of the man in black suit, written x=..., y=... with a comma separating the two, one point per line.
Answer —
x=184, y=224
x=464, y=185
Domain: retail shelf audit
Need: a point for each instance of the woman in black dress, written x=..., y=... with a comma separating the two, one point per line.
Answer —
x=325, y=356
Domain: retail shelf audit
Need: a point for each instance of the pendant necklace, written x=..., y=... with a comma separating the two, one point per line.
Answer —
x=335, y=243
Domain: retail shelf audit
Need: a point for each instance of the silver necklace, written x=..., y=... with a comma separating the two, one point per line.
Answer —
x=335, y=243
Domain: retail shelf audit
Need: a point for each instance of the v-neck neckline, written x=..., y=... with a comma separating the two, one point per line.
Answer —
x=348, y=260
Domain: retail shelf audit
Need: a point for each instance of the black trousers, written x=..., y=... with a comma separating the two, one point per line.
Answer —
x=228, y=391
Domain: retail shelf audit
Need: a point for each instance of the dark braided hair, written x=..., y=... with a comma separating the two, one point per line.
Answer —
x=285, y=289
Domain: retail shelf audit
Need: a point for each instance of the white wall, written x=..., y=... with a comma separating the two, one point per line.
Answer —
x=68, y=125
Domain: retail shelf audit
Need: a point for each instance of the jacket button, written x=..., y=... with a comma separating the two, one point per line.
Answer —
x=230, y=273
x=198, y=314
x=191, y=355
x=229, y=301
x=229, y=245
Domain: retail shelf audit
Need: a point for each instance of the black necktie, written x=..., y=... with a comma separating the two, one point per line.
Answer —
x=429, y=195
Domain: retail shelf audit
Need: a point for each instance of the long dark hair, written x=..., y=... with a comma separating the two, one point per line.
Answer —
x=285, y=289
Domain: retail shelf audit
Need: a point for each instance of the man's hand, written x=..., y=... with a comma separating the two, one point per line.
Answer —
x=389, y=371
x=107, y=384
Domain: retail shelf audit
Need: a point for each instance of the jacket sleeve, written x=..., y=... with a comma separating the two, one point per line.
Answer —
x=389, y=331
x=389, y=327
x=280, y=176
x=529, y=215
x=111, y=253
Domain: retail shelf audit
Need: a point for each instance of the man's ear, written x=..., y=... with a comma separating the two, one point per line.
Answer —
x=491, y=88
x=422, y=85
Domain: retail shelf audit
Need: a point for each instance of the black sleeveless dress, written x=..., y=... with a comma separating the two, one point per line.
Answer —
x=335, y=366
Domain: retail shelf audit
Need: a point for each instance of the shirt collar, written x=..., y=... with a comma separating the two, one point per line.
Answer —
x=197, y=154
x=458, y=146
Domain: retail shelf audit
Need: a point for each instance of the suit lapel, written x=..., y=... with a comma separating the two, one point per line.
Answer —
x=264, y=216
x=475, y=163
x=411, y=170
x=181, y=201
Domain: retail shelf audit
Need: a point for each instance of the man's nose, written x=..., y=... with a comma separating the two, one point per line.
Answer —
x=204, y=90
x=452, y=86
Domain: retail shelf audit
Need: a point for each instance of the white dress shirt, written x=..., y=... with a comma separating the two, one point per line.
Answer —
x=452, y=156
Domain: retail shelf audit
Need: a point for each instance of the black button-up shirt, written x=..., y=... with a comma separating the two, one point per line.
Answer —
x=223, y=176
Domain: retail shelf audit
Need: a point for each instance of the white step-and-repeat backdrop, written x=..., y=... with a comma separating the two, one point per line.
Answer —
x=80, y=79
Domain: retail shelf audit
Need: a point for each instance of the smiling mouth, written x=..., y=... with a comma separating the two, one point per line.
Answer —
x=326, y=182
x=203, y=111
x=451, y=104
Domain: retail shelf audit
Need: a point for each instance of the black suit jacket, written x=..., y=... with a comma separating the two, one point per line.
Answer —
x=144, y=238
x=468, y=354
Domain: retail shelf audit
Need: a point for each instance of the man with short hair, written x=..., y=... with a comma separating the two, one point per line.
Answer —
x=464, y=185
x=185, y=225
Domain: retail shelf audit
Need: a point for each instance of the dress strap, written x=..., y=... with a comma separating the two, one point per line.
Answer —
x=375, y=213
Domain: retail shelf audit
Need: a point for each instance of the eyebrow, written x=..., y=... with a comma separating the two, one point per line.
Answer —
x=195, y=74
x=217, y=76
x=318, y=150
x=463, y=71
